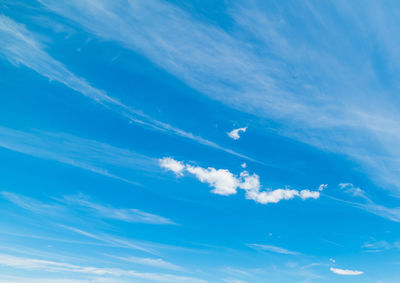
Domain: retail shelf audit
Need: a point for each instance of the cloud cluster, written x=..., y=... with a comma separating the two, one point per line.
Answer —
x=226, y=183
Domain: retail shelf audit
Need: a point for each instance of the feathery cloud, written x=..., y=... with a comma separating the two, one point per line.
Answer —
x=82, y=203
x=108, y=212
x=273, y=249
x=153, y=262
x=31, y=264
x=83, y=153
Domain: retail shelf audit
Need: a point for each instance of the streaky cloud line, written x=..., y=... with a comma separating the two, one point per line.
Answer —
x=390, y=213
x=152, y=262
x=82, y=203
x=83, y=153
x=22, y=48
x=274, y=249
x=130, y=215
x=31, y=264
x=113, y=241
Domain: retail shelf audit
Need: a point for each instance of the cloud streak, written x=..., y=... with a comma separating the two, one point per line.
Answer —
x=153, y=262
x=83, y=153
x=273, y=249
x=31, y=264
x=367, y=204
x=108, y=212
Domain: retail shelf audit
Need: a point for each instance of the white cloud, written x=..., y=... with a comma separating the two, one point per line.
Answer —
x=54, y=266
x=223, y=181
x=173, y=165
x=322, y=187
x=273, y=249
x=243, y=165
x=226, y=183
x=345, y=271
x=91, y=155
x=235, y=134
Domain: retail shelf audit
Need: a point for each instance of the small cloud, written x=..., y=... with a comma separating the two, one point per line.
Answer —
x=243, y=165
x=235, y=134
x=273, y=249
x=173, y=165
x=345, y=271
x=379, y=246
x=322, y=187
x=352, y=190
x=332, y=260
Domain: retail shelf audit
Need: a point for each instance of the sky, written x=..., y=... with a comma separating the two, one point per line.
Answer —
x=219, y=141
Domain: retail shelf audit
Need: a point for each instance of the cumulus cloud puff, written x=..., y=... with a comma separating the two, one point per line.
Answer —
x=226, y=183
x=345, y=271
x=172, y=165
x=235, y=134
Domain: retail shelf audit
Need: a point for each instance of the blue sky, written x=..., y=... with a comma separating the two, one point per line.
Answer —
x=199, y=141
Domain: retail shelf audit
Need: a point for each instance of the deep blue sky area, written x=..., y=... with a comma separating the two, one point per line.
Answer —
x=199, y=141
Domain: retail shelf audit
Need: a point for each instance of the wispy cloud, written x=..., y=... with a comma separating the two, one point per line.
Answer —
x=32, y=204
x=49, y=279
x=153, y=262
x=273, y=249
x=31, y=264
x=21, y=47
x=86, y=154
x=226, y=183
x=113, y=241
x=345, y=271
x=319, y=93
x=367, y=204
x=109, y=212
x=83, y=203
